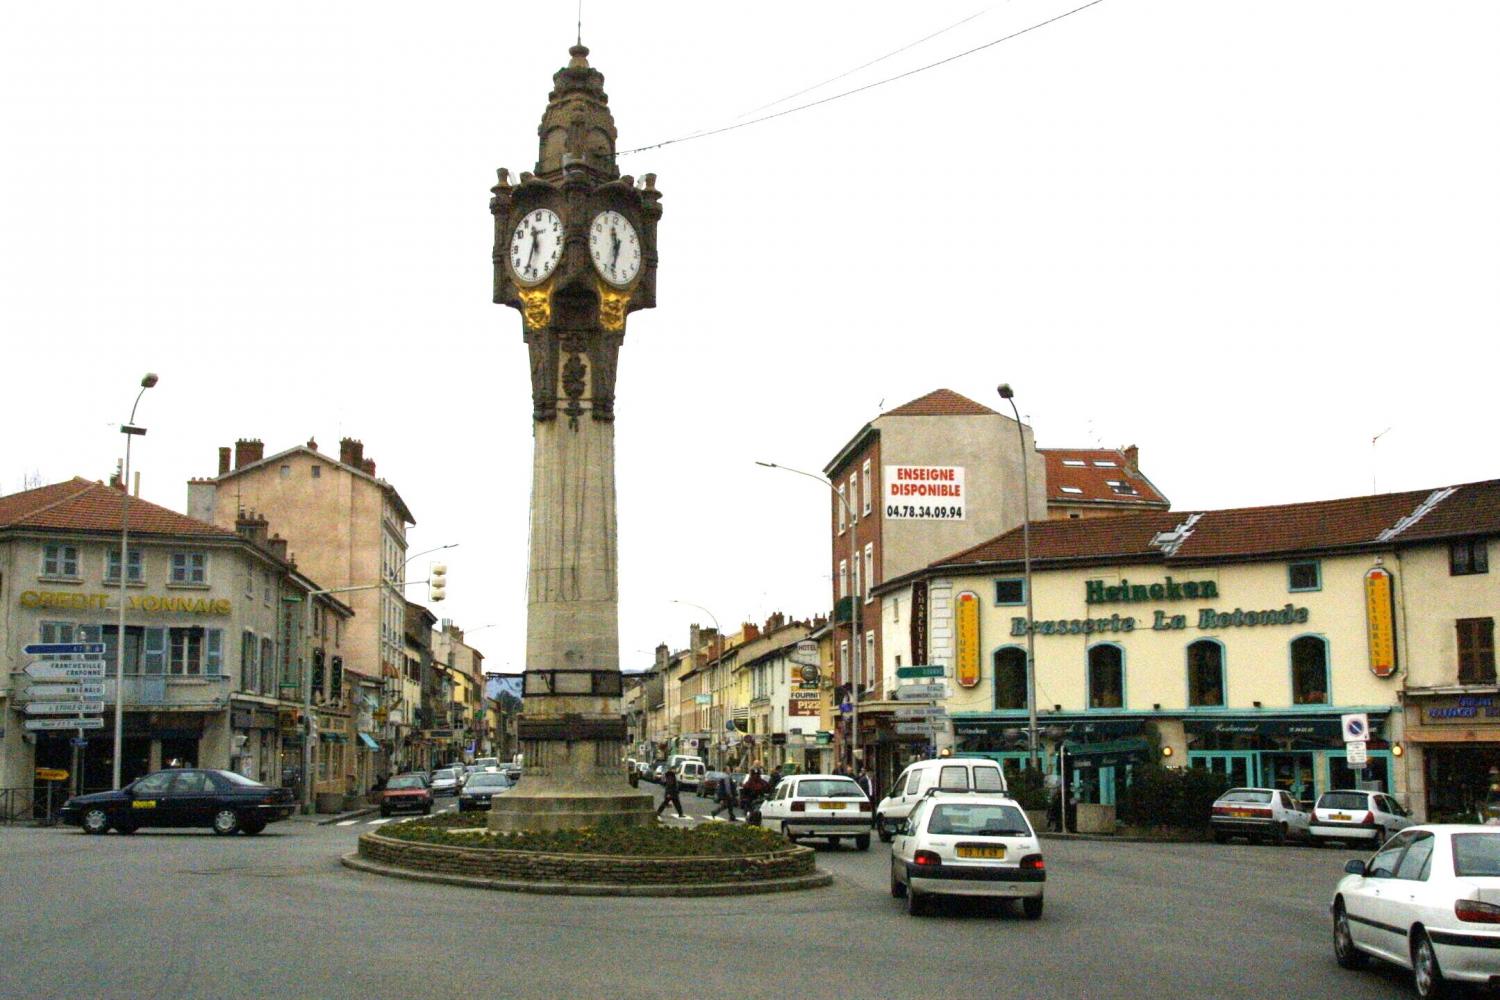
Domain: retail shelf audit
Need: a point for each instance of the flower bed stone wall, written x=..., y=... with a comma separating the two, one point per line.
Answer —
x=527, y=866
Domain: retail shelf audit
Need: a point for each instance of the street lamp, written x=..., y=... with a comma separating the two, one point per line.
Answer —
x=712, y=732
x=856, y=638
x=130, y=430
x=1008, y=394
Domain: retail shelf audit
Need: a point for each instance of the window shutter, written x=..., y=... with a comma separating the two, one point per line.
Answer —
x=155, y=657
x=214, y=658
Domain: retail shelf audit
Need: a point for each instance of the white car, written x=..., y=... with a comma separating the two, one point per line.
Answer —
x=1258, y=814
x=949, y=774
x=1429, y=901
x=819, y=805
x=967, y=845
x=445, y=781
x=1350, y=816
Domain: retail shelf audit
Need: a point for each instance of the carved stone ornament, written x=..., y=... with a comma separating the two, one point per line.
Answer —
x=612, y=303
x=536, y=305
x=573, y=374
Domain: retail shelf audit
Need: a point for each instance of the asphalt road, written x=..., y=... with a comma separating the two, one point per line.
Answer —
x=188, y=914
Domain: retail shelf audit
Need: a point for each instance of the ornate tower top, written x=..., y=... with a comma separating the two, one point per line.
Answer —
x=577, y=126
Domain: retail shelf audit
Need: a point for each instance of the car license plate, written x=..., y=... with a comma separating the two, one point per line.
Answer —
x=143, y=804
x=1242, y=813
x=1342, y=817
x=995, y=853
x=831, y=805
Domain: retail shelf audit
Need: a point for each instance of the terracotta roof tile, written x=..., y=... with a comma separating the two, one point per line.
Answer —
x=1088, y=481
x=940, y=403
x=82, y=505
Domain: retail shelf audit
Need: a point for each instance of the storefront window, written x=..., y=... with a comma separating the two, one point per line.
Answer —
x=1010, y=677
x=1206, y=674
x=1106, y=676
x=1309, y=671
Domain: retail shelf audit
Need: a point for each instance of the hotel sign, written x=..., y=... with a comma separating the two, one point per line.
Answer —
x=1380, y=619
x=966, y=659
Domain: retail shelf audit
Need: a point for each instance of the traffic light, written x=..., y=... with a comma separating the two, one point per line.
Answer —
x=437, y=582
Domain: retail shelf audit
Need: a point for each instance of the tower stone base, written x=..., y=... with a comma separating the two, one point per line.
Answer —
x=573, y=776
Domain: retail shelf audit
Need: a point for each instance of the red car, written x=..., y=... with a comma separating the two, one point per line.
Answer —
x=406, y=791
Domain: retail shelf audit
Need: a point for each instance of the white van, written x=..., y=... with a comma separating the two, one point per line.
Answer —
x=950, y=774
x=690, y=770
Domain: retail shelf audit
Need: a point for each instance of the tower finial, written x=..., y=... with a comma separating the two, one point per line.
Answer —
x=577, y=127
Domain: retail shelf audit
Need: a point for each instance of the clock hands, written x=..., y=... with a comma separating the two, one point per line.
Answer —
x=614, y=257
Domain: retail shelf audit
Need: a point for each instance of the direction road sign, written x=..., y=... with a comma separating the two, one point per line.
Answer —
x=921, y=692
x=90, y=723
x=1355, y=754
x=76, y=648
x=65, y=670
x=922, y=712
x=914, y=729
x=57, y=692
x=920, y=671
x=63, y=707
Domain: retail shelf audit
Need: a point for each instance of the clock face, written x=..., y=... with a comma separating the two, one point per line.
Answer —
x=615, y=247
x=536, y=246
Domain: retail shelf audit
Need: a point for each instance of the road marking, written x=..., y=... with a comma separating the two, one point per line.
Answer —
x=346, y=822
x=378, y=822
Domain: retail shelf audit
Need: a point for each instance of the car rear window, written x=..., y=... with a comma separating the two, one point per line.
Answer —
x=406, y=781
x=954, y=819
x=987, y=779
x=1343, y=800
x=827, y=788
x=1476, y=855
x=1246, y=795
x=954, y=778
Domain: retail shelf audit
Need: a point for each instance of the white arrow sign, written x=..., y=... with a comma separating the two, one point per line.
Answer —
x=922, y=712
x=57, y=692
x=64, y=707
x=35, y=724
x=921, y=692
x=66, y=670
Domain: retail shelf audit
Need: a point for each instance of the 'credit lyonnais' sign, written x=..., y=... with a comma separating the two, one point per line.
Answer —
x=138, y=602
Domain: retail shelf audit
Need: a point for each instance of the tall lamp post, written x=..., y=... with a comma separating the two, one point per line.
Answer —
x=130, y=430
x=1008, y=394
x=856, y=638
x=720, y=633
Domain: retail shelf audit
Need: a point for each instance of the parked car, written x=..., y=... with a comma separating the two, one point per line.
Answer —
x=690, y=773
x=226, y=801
x=1258, y=814
x=954, y=774
x=967, y=845
x=486, y=762
x=709, y=786
x=445, y=781
x=481, y=788
x=819, y=805
x=1356, y=816
x=657, y=770
x=406, y=792
x=1429, y=901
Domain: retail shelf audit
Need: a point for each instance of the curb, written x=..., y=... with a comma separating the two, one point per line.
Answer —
x=813, y=881
x=352, y=814
x=1113, y=838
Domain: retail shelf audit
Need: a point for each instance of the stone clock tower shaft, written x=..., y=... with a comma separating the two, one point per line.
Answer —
x=575, y=254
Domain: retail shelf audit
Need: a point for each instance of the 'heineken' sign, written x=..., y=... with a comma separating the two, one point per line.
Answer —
x=1099, y=592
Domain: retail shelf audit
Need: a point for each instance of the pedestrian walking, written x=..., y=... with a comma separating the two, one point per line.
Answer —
x=725, y=796
x=669, y=792
x=866, y=781
x=752, y=790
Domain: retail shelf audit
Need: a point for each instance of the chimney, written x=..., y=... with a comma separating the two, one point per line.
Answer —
x=253, y=527
x=223, y=461
x=117, y=478
x=276, y=545
x=695, y=638
x=775, y=622
x=663, y=656
x=312, y=444
x=248, y=451
x=819, y=621
x=368, y=465
x=1132, y=461
x=352, y=452
x=749, y=631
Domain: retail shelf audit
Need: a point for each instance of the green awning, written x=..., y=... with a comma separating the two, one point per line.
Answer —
x=368, y=742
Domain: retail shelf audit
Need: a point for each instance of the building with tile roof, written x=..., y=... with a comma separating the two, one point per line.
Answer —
x=1234, y=639
x=213, y=657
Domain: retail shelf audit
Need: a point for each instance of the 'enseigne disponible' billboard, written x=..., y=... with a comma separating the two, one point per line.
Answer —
x=924, y=492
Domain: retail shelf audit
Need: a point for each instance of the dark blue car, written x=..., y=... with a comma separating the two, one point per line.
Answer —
x=224, y=801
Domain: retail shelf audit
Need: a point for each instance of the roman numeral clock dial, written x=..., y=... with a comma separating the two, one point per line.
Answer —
x=536, y=246
x=615, y=248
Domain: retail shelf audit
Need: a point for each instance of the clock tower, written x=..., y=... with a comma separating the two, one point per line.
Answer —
x=575, y=255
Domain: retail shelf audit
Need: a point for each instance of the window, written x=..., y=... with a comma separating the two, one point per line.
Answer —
x=134, y=636
x=133, y=572
x=867, y=667
x=1383, y=864
x=1476, y=855
x=249, y=669
x=866, y=473
x=286, y=472
x=844, y=660
x=953, y=778
x=843, y=511
x=190, y=567
x=843, y=578
x=1010, y=677
x=186, y=651
x=1205, y=664
x=265, y=587
x=317, y=471
x=60, y=560
x=1076, y=463
x=1072, y=489
x=1102, y=463
x=1472, y=555
x=855, y=570
x=853, y=497
x=987, y=779
x=154, y=784
x=1106, y=676
x=1476, y=650
x=869, y=571
x=56, y=632
x=1011, y=590
x=1309, y=671
x=1304, y=576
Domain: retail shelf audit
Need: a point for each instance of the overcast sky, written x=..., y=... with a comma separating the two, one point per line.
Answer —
x=1247, y=237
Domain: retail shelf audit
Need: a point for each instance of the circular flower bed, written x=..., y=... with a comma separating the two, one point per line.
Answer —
x=651, y=841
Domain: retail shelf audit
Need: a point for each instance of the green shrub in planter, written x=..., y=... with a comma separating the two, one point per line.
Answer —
x=708, y=840
x=1169, y=796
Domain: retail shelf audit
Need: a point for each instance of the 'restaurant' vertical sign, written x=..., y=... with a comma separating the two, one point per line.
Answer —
x=919, y=622
x=966, y=659
x=1380, y=617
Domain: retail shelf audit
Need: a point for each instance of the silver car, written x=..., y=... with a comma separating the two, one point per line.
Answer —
x=445, y=781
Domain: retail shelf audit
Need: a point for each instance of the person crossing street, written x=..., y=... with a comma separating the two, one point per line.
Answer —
x=669, y=792
x=725, y=796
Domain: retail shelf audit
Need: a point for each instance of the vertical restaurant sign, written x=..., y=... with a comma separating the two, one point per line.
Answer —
x=966, y=658
x=1380, y=617
x=919, y=622
x=924, y=492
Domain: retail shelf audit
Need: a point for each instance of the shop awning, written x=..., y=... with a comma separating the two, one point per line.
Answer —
x=1324, y=728
x=332, y=737
x=1114, y=753
x=368, y=742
